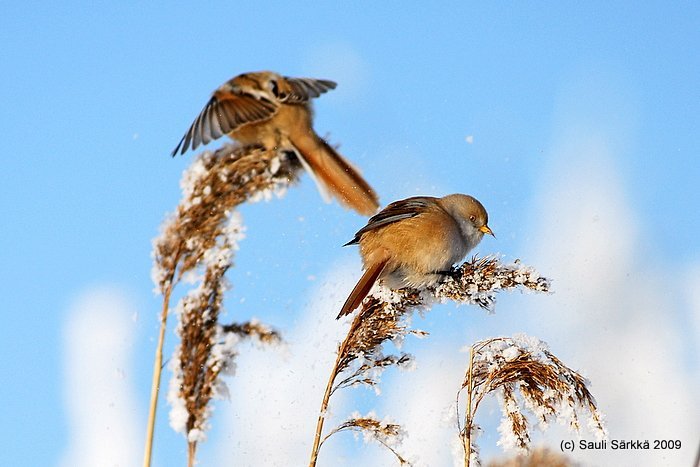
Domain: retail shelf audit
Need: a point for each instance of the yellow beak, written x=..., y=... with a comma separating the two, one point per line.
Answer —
x=485, y=229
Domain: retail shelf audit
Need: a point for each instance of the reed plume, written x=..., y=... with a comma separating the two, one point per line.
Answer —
x=386, y=433
x=382, y=317
x=527, y=378
x=198, y=241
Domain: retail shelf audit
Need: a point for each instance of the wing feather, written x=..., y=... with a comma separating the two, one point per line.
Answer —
x=304, y=89
x=206, y=126
x=223, y=114
x=197, y=133
x=215, y=125
x=394, y=212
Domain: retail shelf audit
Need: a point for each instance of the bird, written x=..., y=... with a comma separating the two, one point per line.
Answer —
x=274, y=111
x=414, y=242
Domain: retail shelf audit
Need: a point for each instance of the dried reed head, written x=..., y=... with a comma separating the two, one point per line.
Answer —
x=207, y=350
x=384, y=432
x=379, y=320
x=477, y=281
x=212, y=187
x=253, y=329
x=528, y=378
x=201, y=237
x=195, y=366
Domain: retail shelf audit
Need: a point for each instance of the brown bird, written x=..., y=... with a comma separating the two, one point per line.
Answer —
x=414, y=242
x=274, y=111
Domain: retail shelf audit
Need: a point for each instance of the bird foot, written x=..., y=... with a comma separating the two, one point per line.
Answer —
x=449, y=273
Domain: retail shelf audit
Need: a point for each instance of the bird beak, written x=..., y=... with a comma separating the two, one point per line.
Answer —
x=485, y=229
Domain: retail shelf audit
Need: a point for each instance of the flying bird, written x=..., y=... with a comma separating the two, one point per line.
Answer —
x=414, y=242
x=265, y=108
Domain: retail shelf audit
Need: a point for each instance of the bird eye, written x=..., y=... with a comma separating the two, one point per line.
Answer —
x=472, y=218
x=274, y=88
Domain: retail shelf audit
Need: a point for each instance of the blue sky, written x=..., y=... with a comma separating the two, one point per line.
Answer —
x=584, y=121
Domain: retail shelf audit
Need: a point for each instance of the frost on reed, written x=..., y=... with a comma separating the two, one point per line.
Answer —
x=212, y=187
x=206, y=351
x=197, y=243
x=527, y=378
x=384, y=432
x=383, y=316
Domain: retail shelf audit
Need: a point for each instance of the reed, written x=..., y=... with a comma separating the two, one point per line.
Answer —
x=528, y=380
x=198, y=242
x=382, y=317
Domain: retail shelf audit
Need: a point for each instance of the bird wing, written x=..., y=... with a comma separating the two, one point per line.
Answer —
x=303, y=89
x=224, y=113
x=394, y=212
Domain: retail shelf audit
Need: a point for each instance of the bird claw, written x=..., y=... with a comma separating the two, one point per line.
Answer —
x=451, y=273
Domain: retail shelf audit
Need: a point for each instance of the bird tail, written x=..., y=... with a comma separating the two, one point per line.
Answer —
x=334, y=176
x=364, y=285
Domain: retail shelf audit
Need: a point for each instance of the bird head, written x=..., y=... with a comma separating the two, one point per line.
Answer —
x=470, y=214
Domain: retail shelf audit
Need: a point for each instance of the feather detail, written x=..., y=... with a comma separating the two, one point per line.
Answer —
x=394, y=212
x=304, y=89
x=336, y=175
x=322, y=189
x=224, y=113
x=362, y=288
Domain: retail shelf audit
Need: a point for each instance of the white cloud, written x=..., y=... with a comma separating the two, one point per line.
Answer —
x=692, y=289
x=98, y=389
x=612, y=312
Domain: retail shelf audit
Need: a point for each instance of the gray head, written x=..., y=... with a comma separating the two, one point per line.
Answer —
x=470, y=214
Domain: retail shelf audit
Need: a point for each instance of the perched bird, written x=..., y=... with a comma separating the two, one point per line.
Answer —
x=274, y=111
x=414, y=242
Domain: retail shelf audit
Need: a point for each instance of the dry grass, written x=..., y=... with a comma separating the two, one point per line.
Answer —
x=385, y=433
x=528, y=378
x=207, y=350
x=212, y=187
x=381, y=318
x=477, y=281
x=195, y=367
x=200, y=238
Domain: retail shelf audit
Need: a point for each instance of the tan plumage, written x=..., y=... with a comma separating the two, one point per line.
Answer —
x=413, y=242
x=267, y=109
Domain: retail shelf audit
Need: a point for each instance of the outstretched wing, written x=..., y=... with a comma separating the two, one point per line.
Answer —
x=303, y=89
x=394, y=212
x=224, y=113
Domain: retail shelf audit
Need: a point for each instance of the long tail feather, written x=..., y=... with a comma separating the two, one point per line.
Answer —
x=338, y=177
x=364, y=285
